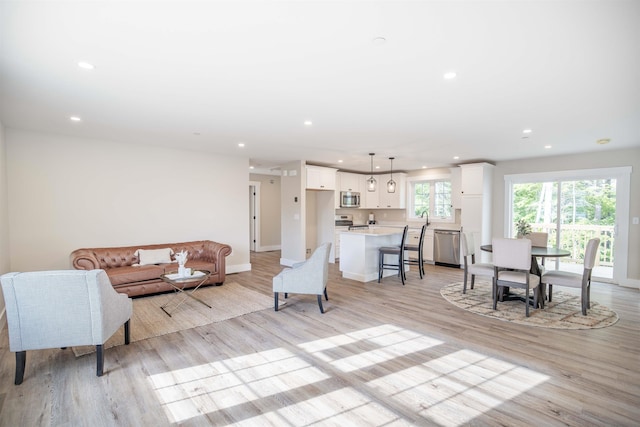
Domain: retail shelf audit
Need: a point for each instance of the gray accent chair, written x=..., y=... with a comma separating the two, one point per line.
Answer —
x=309, y=277
x=575, y=280
x=63, y=308
x=512, y=265
x=473, y=268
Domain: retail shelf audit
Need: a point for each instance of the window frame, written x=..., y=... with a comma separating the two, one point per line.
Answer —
x=431, y=179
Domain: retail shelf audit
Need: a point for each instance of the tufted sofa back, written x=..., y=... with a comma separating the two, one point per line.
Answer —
x=105, y=258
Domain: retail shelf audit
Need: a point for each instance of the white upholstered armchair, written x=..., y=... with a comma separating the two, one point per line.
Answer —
x=59, y=309
x=308, y=277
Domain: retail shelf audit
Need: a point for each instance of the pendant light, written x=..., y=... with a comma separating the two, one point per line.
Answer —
x=391, y=184
x=371, y=182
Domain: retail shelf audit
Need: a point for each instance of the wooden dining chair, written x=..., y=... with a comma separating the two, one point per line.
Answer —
x=419, y=259
x=541, y=240
x=575, y=280
x=512, y=264
x=471, y=267
x=393, y=250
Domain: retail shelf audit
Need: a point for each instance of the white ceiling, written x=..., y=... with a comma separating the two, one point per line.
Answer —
x=208, y=75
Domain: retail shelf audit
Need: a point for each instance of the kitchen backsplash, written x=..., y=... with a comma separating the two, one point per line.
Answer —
x=387, y=216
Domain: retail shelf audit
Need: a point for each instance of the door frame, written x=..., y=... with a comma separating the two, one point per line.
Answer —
x=623, y=194
x=254, y=215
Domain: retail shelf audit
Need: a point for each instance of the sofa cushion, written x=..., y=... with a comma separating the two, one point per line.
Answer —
x=154, y=256
x=122, y=275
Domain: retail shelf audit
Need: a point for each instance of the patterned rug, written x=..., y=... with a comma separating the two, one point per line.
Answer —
x=148, y=320
x=564, y=312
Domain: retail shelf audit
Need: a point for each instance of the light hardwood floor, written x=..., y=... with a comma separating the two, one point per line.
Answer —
x=382, y=354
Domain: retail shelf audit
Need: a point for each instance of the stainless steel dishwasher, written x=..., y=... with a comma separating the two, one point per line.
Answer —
x=446, y=248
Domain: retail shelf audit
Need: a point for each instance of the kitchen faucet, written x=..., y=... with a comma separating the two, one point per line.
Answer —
x=427, y=214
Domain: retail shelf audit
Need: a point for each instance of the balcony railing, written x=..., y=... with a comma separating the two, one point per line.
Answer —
x=574, y=238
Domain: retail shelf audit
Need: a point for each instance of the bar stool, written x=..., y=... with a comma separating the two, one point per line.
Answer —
x=419, y=261
x=393, y=250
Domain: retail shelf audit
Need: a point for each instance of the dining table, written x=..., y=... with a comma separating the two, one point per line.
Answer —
x=536, y=252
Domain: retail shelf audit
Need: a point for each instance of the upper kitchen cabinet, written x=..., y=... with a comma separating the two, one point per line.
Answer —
x=382, y=199
x=351, y=182
x=475, y=178
x=320, y=178
x=456, y=189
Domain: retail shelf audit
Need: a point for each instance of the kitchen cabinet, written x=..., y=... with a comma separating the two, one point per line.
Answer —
x=475, y=203
x=381, y=199
x=351, y=182
x=321, y=178
x=413, y=238
x=456, y=187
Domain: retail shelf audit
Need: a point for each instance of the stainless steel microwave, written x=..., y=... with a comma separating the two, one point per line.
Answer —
x=349, y=199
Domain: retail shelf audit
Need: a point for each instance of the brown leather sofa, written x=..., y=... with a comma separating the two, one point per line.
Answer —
x=135, y=280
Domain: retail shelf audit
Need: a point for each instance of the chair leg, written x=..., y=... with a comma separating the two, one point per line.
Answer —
x=21, y=361
x=473, y=280
x=325, y=294
x=275, y=301
x=320, y=304
x=495, y=295
x=464, y=285
x=380, y=262
x=99, y=360
x=127, y=332
x=550, y=291
x=526, y=302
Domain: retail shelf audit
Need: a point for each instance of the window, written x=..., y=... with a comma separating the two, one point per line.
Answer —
x=432, y=197
x=574, y=206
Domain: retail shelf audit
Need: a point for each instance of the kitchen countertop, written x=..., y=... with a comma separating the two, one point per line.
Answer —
x=378, y=231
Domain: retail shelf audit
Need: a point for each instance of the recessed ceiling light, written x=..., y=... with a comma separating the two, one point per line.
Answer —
x=456, y=157
x=603, y=141
x=86, y=65
x=547, y=147
x=377, y=167
x=339, y=161
x=241, y=144
x=308, y=122
x=378, y=41
x=424, y=167
x=250, y=167
x=527, y=131
x=450, y=75
x=75, y=119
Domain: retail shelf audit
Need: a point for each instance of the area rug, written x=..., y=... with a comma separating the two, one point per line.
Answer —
x=564, y=312
x=148, y=320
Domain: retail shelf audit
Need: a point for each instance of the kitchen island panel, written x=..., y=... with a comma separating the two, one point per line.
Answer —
x=359, y=252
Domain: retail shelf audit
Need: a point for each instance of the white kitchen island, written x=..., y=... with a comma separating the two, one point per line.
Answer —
x=359, y=252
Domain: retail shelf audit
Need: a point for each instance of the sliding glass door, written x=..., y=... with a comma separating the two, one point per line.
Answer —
x=572, y=209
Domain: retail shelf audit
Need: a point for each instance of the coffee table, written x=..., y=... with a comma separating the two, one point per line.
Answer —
x=179, y=283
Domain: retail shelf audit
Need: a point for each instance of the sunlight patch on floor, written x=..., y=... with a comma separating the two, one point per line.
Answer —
x=388, y=342
x=454, y=389
x=282, y=387
x=194, y=391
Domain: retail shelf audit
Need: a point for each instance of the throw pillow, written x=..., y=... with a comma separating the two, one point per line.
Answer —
x=154, y=256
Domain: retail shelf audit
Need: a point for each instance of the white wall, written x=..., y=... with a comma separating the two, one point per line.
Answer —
x=293, y=221
x=4, y=216
x=67, y=193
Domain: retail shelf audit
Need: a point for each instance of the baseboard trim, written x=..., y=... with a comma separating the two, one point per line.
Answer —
x=269, y=248
x=237, y=268
x=630, y=283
